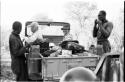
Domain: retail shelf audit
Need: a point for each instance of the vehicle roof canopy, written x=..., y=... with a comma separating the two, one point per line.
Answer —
x=48, y=23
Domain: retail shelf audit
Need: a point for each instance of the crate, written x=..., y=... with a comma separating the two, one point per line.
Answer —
x=34, y=62
x=34, y=65
x=55, y=67
x=34, y=69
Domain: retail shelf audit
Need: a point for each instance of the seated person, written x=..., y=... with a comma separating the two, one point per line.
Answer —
x=66, y=31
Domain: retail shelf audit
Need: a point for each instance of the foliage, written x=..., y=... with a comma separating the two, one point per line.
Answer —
x=117, y=36
x=81, y=11
x=81, y=15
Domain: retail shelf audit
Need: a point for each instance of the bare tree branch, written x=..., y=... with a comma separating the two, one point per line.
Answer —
x=80, y=11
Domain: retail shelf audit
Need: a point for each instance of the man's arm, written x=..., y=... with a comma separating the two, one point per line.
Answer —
x=31, y=39
x=95, y=30
x=106, y=30
x=14, y=45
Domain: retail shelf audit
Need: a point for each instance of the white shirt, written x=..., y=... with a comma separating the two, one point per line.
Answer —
x=68, y=37
x=37, y=35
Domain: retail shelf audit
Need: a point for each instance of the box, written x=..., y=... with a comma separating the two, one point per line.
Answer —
x=66, y=52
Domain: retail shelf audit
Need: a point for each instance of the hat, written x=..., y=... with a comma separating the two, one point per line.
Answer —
x=66, y=27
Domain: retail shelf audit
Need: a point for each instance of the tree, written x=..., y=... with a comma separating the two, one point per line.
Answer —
x=121, y=20
x=82, y=14
x=81, y=11
x=118, y=32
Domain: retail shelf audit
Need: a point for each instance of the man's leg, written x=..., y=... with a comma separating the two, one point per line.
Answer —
x=17, y=77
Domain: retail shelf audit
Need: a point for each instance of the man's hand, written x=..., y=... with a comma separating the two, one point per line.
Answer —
x=96, y=22
x=99, y=22
x=27, y=45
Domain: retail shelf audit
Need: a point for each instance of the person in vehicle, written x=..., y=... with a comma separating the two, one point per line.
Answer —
x=66, y=31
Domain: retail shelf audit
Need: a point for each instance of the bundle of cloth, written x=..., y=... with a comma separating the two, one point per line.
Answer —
x=72, y=45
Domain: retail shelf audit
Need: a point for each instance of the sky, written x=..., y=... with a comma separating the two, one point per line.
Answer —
x=24, y=10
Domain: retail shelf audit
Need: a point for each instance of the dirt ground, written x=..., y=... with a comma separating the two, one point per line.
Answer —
x=5, y=61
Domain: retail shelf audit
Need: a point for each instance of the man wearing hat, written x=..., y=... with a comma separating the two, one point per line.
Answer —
x=66, y=31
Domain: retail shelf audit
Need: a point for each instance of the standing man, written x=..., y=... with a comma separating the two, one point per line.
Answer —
x=17, y=52
x=102, y=30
